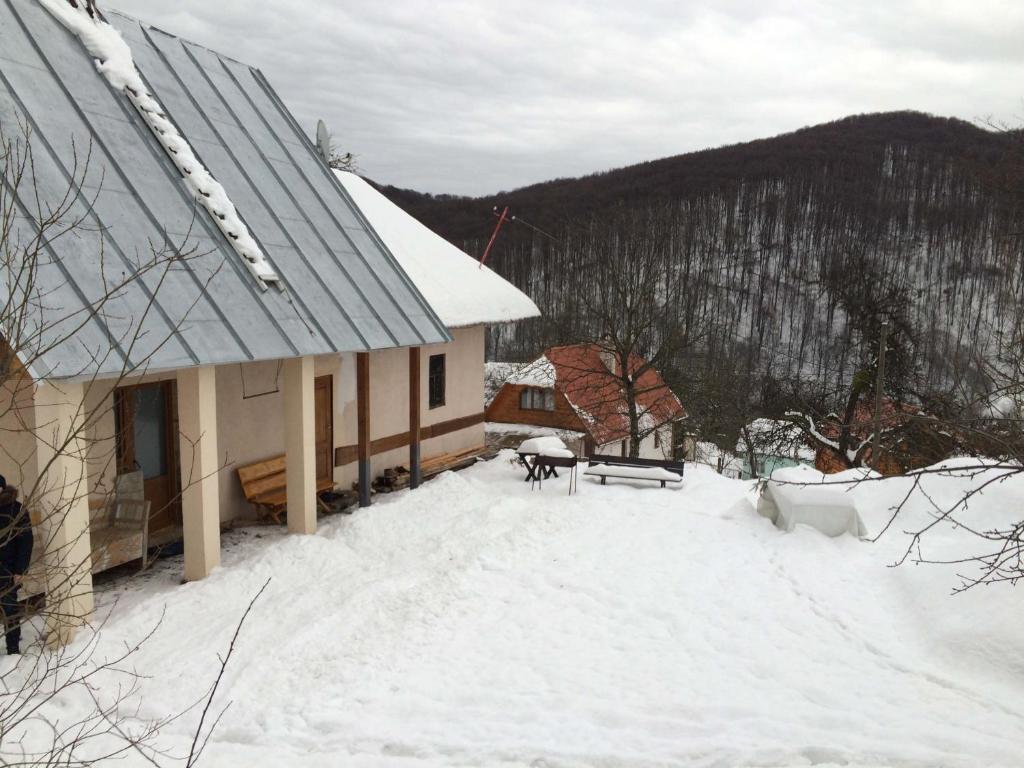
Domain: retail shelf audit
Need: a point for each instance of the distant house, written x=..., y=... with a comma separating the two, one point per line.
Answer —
x=295, y=317
x=907, y=443
x=571, y=388
x=771, y=444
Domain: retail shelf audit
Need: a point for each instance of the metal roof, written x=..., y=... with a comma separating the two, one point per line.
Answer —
x=345, y=290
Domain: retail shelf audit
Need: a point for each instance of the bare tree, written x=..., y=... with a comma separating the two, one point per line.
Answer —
x=34, y=326
x=644, y=311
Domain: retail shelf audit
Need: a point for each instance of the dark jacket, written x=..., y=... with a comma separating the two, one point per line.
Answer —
x=15, y=534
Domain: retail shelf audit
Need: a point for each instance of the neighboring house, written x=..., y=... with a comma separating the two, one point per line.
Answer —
x=906, y=443
x=771, y=444
x=294, y=312
x=571, y=388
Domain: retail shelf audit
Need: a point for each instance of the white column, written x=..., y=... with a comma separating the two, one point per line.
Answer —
x=300, y=444
x=62, y=504
x=200, y=465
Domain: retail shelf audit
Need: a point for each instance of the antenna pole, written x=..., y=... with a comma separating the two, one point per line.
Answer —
x=501, y=220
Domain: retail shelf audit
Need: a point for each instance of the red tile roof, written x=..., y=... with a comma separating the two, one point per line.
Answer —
x=596, y=395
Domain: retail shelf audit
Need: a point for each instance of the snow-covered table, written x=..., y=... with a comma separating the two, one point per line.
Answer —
x=803, y=496
x=529, y=450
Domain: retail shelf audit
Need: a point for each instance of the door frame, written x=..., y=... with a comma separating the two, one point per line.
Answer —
x=124, y=441
x=324, y=382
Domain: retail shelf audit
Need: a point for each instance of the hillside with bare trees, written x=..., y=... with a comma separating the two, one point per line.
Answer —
x=782, y=257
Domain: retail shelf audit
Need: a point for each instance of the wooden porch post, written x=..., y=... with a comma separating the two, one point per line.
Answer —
x=415, y=473
x=363, y=416
x=63, y=498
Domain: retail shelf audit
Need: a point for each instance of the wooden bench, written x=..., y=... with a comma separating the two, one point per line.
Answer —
x=623, y=467
x=265, y=485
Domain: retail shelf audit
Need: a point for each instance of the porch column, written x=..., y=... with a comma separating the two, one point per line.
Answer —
x=300, y=444
x=415, y=473
x=63, y=508
x=200, y=465
x=363, y=416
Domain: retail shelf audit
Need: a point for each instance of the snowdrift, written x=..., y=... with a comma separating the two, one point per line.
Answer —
x=804, y=496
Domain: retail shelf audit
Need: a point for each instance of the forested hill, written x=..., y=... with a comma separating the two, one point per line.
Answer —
x=851, y=151
x=789, y=251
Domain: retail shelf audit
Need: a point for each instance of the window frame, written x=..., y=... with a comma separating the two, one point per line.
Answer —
x=436, y=381
x=537, y=399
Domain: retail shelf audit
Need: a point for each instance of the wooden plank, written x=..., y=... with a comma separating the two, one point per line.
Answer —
x=437, y=464
x=265, y=484
x=346, y=454
x=452, y=425
x=261, y=469
x=390, y=443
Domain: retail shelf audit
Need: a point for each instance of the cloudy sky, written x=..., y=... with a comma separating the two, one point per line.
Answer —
x=476, y=97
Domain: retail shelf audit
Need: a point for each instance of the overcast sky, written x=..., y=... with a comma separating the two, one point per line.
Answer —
x=476, y=97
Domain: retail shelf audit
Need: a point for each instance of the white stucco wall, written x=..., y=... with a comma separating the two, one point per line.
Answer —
x=250, y=419
x=389, y=398
x=647, y=447
x=250, y=415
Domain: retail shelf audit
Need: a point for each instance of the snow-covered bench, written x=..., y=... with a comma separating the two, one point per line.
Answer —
x=623, y=467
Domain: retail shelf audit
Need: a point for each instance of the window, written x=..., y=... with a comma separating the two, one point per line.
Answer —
x=537, y=399
x=657, y=439
x=436, y=381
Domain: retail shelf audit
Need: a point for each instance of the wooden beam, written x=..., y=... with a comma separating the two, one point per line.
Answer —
x=346, y=454
x=415, y=471
x=363, y=417
x=452, y=425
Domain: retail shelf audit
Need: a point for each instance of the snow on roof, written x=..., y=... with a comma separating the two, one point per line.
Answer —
x=460, y=291
x=776, y=437
x=115, y=62
x=579, y=374
x=173, y=291
x=539, y=373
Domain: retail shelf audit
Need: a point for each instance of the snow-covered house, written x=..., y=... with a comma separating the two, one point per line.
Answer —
x=467, y=298
x=573, y=388
x=215, y=295
x=765, y=445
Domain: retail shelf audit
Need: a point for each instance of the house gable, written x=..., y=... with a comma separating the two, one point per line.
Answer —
x=506, y=408
x=344, y=291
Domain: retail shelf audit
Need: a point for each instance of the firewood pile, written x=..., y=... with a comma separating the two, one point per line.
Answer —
x=394, y=479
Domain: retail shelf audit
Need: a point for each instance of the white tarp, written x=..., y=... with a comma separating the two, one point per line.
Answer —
x=802, y=495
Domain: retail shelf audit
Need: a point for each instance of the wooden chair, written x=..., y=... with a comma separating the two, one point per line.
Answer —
x=119, y=531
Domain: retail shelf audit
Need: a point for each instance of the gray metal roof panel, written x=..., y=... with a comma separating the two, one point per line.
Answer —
x=346, y=291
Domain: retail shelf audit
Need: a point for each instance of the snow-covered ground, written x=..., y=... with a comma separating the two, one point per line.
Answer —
x=476, y=623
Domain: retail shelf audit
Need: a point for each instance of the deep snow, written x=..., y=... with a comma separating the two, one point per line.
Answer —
x=474, y=622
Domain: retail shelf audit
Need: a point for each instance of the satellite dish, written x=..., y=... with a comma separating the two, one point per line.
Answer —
x=323, y=141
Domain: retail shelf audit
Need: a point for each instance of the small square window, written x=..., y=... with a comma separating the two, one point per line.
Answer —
x=435, y=380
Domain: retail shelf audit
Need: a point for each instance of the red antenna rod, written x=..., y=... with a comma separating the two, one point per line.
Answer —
x=501, y=220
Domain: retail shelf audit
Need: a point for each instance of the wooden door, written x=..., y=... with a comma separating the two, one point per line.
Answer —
x=323, y=417
x=147, y=440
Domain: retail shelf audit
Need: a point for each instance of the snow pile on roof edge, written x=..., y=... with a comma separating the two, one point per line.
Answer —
x=115, y=62
x=461, y=292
